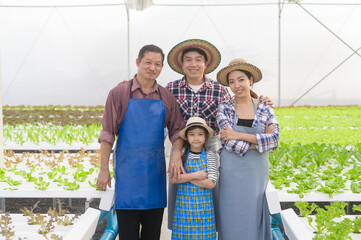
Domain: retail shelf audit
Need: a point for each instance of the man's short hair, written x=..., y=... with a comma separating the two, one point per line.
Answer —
x=200, y=51
x=150, y=48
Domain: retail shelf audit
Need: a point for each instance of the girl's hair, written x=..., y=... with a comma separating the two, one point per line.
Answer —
x=249, y=75
x=200, y=51
x=186, y=144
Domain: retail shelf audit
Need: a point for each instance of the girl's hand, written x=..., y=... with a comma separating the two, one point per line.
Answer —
x=270, y=128
x=200, y=175
x=228, y=134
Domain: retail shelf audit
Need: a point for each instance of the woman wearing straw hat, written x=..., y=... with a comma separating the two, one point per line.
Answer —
x=248, y=130
x=196, y=94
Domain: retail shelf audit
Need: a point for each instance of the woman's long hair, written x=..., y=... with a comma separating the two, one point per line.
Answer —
x=186, y=144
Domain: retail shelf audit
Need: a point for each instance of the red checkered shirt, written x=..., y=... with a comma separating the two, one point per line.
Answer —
x=203, y=103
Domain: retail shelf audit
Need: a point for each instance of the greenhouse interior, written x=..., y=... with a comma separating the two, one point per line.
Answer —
x=61, y=60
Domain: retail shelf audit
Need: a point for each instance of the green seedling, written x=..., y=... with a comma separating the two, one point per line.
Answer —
x=324, y=217
x=66, y=220
x=2, y=175
x=94, y=184
x=71, y=186
x=305, y=208
x=356, y=208
x=355, y=188
x=52, y=175
x=30, y=178
x=40, y=184
x=337, y=231
x=12, y=183
x=356, y=225
x=80, y=176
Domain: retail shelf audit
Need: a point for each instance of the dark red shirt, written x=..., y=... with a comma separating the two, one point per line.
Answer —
x=117, y=103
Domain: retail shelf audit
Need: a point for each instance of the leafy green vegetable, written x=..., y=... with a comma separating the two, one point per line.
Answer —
x=305, y=208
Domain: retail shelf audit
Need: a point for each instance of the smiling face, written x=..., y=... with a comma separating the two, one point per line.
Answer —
x=240, y=83
x=193, y=65
x=150, y=66
x=196, y=138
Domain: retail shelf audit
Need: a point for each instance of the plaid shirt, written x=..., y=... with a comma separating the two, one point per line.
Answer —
x=266, y=142
x=203, y=103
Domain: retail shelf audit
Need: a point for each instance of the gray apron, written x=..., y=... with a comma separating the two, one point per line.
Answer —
x=242, y=207
x=212, y=145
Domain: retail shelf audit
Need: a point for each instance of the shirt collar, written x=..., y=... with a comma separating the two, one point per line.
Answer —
x=207, y=82
x=136, y=85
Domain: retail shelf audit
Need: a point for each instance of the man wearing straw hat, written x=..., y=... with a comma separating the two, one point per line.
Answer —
x=137, y=112
x=196, y=94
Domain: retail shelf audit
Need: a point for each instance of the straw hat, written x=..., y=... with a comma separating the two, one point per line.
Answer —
x=212, y=53
x=196, y=121
x=238, y=64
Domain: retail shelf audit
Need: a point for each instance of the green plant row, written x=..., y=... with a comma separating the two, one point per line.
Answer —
x=51, y=134
x=314, y=167
x=337, y=135
x=294, y=116
x=65, y=177
x=319, y=117
x=325, y=223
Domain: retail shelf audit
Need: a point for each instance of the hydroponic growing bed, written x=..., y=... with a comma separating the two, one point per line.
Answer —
x=318, y=159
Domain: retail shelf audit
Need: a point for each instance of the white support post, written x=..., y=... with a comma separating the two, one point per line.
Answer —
x=1, y=122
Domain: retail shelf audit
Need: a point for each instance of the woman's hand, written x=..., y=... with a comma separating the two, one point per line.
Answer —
x=228, y=134
x=270, y=128
x=200, y=175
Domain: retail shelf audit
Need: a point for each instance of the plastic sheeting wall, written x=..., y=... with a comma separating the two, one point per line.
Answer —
x=75, y=55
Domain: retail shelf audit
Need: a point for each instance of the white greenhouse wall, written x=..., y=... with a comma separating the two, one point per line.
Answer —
x=75, y=55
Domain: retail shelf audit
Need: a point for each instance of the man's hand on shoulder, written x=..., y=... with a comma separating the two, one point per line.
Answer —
x=267, y=100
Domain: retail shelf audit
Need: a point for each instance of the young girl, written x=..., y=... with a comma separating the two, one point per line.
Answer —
x=193, y=212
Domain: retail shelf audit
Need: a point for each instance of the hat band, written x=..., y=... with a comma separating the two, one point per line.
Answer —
x=194, y=123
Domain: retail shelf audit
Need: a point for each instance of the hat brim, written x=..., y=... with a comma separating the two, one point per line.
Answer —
x=212, y=53
x=182, y=133
x=222, y=74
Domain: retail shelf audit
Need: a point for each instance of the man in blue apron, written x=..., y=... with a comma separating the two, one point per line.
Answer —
x=137, y=112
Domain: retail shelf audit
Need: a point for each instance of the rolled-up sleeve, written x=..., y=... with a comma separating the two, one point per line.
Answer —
x=269, y=141
x=109, y=122
x=224, y=119
x=176, y=122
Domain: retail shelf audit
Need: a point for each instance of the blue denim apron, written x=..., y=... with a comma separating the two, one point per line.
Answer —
x=242, y=206
x=140, y=174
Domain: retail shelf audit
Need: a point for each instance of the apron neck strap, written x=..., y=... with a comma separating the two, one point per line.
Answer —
x=131, y=93
x=235, y=109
